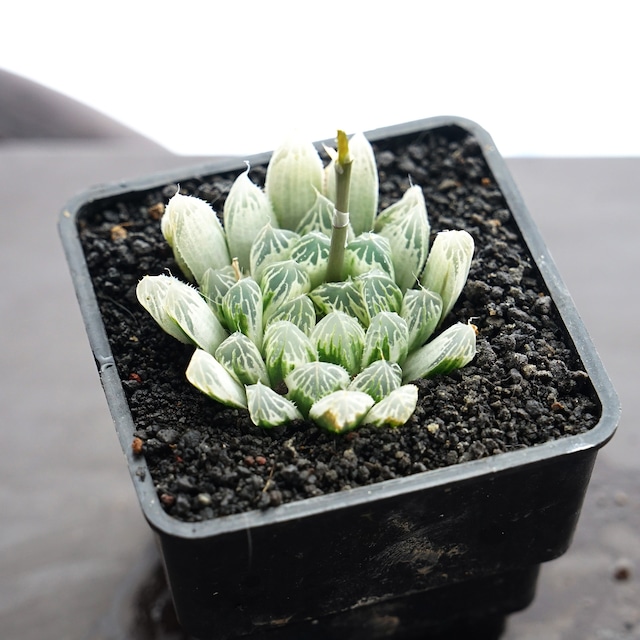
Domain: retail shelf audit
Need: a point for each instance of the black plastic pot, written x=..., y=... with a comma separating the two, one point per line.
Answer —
x=446, y=551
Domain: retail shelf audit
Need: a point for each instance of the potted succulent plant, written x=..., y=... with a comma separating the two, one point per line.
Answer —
x=379, y=450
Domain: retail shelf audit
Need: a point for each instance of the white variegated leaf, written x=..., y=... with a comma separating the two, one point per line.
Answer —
x=319, y=217
x=395, y=409
x=448, y=266
x=387, y=338
x=341, y=411
x=363, y=201
x=246, y=211
x=378, y=380
x=152, y=294
x=314, y=380
x=339, y=339
x=311, y=252
x=285, y=347
x=300, y=311
x=379, y=293
x=281, y=282
x=215, y=284
x=196, y=235
x=366, y=252
x=271, y=245
x=206, y=374
x=293, y=175
x=242, y=359
x=187, y=307
x=269, y=409
x=422, y=310
x=338, y=296
x=452, y=349
x=405, y=224
x=242, y=308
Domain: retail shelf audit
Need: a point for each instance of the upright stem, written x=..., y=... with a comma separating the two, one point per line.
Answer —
x=341, y=211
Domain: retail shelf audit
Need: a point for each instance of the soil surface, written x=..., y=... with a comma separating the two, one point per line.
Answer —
x=525, y=386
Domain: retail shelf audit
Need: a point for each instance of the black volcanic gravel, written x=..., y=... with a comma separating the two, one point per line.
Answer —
x=524, y=387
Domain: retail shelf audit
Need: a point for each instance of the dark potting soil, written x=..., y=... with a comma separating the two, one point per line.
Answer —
x=524, y=387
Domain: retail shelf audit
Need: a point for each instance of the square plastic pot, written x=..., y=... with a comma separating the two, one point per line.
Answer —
x=446, y=550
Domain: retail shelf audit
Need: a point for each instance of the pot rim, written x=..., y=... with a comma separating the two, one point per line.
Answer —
x=158, y=519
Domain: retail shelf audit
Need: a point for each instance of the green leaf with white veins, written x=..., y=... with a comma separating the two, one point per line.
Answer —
x=339, y=296
x=271, y=245
x=341, y=411
x=379, y=379
x=215, y=284
x=209, y=376
x=311, y=253
x=366, y=252
x=193, y=230
x=314, y=380
x=285, y=347
x=242, y=308
x=246, y=211
x=339, y=339
x=242, y=359
x=452, y=349
x=300, y=311
x=269, y=409
x=395, y=409
x=422, y=310
x=280, y=282
x=406, y=226
x=387, y=338
x=379, y=293
x=448, y=266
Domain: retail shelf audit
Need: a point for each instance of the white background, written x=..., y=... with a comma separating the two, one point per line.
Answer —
x=545, y=78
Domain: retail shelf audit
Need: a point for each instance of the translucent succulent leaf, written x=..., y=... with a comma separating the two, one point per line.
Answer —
x=209, y=376
x=366, y=252
x=339, y=339
x=341, y=411
x=281, y=282
x=269, y=409
x=448, y=266
x=378, y=380
x=338, y=296
x=152, y=293
x=271, y=245
x=405, y=224
x=193, y=230
x=285, y=347
x=311, y=253
x=242, y=359
x=387, y=338
x=242, y=308
x=395, y=409
x=379, y=293
x=422, y=310
x=246, y=211
x=293, y=175
x=452, y=349
x=310, y=382
x=215, y=284
x=300, y=311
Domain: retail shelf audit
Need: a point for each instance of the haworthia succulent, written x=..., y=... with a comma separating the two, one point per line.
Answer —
x=309, y=382
x=193, y=230
x=285, y=347
x=209, y=376
x=242, y=359
x=452, y=349
x=270, y=245
x=341, y=411
x=311, y=253
x=338, y=296
x=387, y=338
x=300, y=311
x=215, y=283
x=366, y=252
x=281, y=282
x=422, y=310
x=379, y=293
x=379, y=379
x=448, y=266
x=242, y=307
x=406, y=226
x=339, y=338
x=269, y=409
x=395, y=409
x=246, y=211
